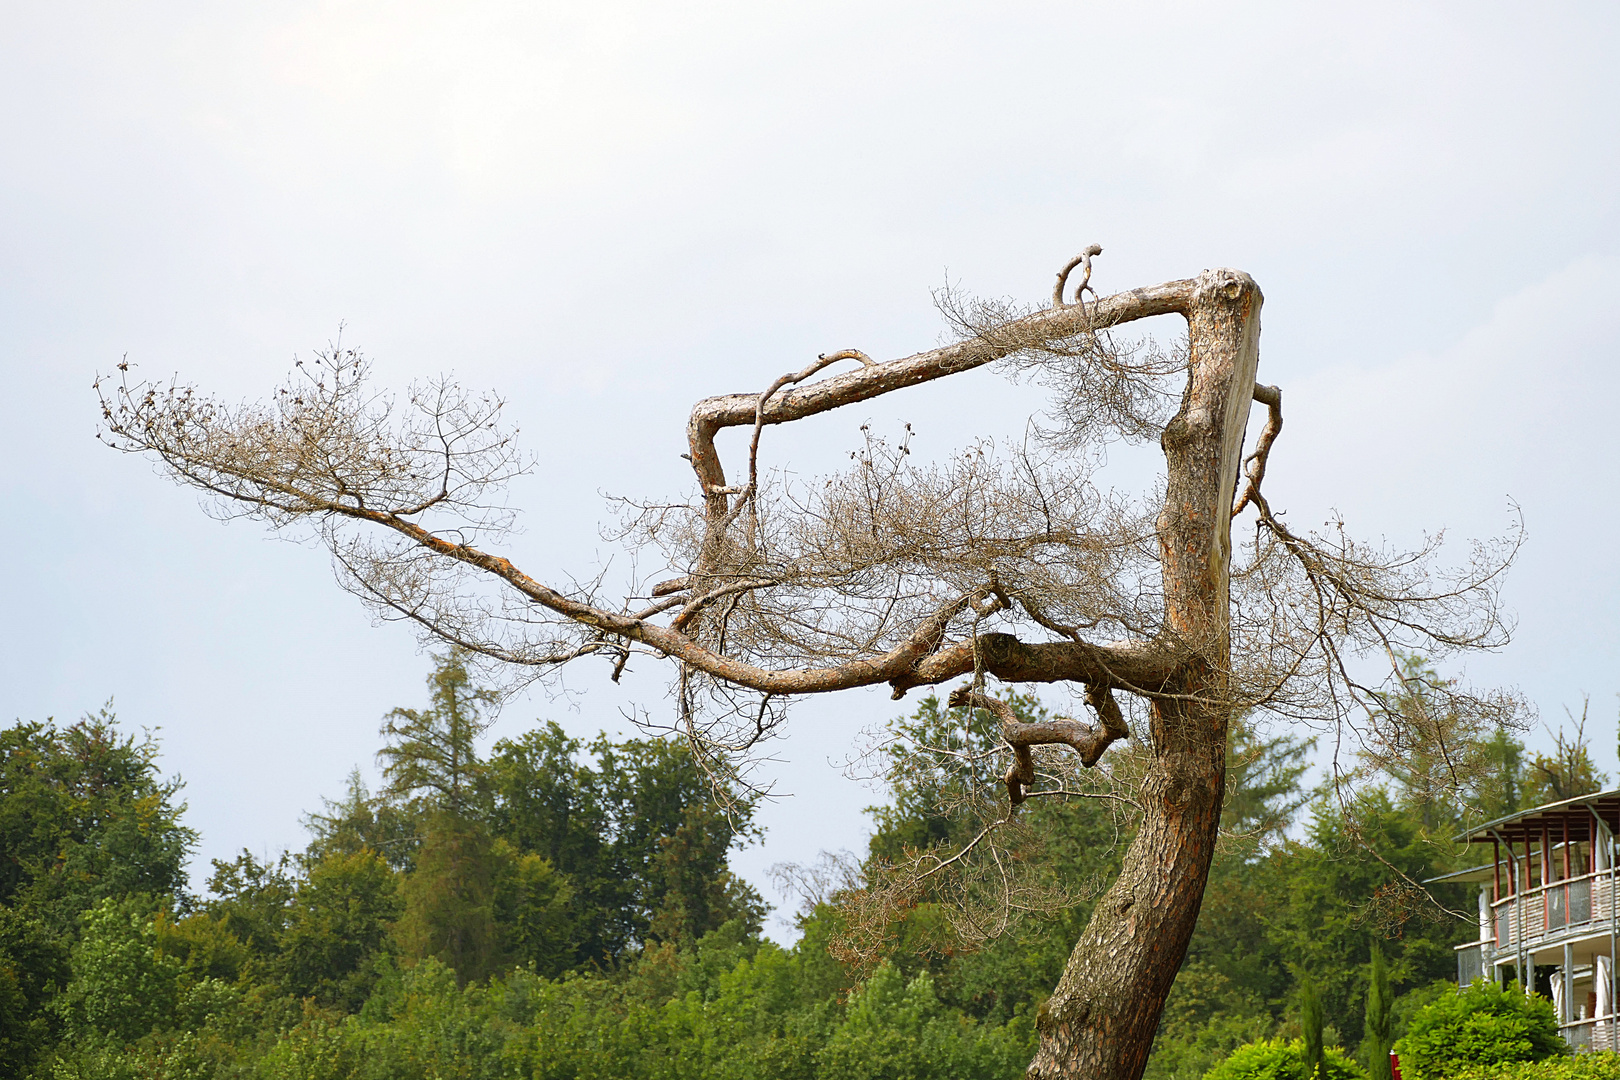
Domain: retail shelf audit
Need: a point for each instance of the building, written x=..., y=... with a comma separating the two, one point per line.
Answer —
x=1547, y=911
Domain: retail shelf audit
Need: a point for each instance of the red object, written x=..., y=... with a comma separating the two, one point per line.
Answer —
x=1395, y=1065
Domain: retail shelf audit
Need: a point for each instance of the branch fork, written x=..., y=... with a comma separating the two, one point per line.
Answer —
x=1083, y=260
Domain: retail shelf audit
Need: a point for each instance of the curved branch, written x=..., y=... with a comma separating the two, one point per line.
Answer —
x=734, y=410
x=820, y=362
x=1271, y=397
x=1084, y=258
x=1088, y=741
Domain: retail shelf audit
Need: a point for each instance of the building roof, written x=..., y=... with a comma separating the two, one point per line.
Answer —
x=1551, y=820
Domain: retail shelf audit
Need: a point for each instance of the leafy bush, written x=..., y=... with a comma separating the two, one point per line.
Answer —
x=1275, y=1059
x=1604, y=1066
x=898, y=1028
x=1485, y=1024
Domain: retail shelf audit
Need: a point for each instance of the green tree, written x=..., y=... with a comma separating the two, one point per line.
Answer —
x=430, y=762
x=1310, y=1023
x=449, y=898
x=634, y=829
x=1500, y=790
x=361, y=822
x=1567, y=772
x=33, y=964
x=938, y=767
x=430, y=754
x=534, y=912
x=85, y=816
x=252, y=901
x=337, y=927
x=1330, y=900
x=1379, y=1025
x=123, y=986
x=1263, y=792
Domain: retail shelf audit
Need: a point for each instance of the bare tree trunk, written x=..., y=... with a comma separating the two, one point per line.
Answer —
x=1101, y=1020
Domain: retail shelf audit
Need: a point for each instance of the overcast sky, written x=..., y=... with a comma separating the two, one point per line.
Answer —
x=606, y=211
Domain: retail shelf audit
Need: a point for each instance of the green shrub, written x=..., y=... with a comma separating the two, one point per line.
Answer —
x=1604, y=1066
x=1275, y=1059
x=898, y=1028
x=1485, y=1024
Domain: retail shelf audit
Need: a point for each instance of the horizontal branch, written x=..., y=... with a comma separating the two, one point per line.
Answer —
x=1146, y=667
x=876, y=379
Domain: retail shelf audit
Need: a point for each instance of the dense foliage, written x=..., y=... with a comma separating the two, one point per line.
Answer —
x=563, y=908
x=1600, y=1066
x=1483, y=1025
x=1274, y=1059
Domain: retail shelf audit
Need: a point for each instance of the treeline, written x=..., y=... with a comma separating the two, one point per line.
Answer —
x=564, y=909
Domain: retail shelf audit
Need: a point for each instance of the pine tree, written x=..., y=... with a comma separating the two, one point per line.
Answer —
x=431, y=766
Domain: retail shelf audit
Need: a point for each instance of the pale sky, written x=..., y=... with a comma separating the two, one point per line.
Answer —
x=607, y=211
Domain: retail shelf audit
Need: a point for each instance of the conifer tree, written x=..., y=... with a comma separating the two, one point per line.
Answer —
x=1380, y=1024
x=430, y=753
x=1310, y=1022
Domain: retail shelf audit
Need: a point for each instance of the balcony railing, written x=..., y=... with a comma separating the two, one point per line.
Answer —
x=1594, y=1033
x=1546, y=910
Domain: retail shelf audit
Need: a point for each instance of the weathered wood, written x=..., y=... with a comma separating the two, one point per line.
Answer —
x=1101, y=1020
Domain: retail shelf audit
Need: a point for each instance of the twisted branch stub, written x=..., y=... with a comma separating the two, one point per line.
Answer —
x=672, y=586
x=1082, y=259
x=1271, y=397
x=1086, y=740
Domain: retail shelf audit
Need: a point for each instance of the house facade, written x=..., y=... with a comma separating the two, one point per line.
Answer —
x=1547, y=911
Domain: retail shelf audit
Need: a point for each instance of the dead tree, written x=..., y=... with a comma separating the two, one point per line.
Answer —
x=1011, y=567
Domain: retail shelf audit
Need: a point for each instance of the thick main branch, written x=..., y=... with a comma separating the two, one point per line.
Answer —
x=736, y=410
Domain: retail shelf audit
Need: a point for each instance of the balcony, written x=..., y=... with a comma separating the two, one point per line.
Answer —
x=1550, y=914
x=1549, y=911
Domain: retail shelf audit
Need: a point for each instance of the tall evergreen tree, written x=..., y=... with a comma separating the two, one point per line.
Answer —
x=1311, y=1024
x=429, y=755
x=1380, y=1019
x=449, y=898
x=430, y=762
